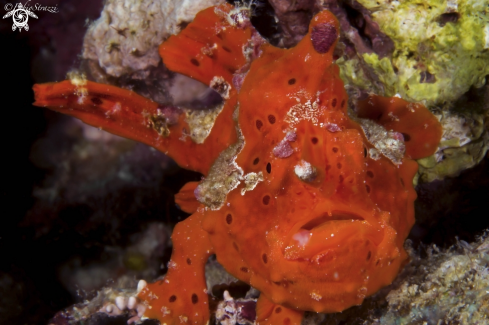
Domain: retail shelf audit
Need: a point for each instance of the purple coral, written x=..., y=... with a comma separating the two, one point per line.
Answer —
x=291, y=136
x=238, y=79
x=323, y=37
x=283, y=149
x=332, y=127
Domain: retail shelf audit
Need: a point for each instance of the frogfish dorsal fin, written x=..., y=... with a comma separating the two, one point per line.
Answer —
x=211, y=46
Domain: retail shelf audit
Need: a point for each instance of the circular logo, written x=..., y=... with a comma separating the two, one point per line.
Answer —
x=20, y=18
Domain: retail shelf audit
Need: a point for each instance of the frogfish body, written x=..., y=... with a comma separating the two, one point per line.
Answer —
x=299, y=199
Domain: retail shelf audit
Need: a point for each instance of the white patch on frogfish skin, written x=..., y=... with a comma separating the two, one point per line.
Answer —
x=81, y=99
x=307, y=108
x=238, y=17
x=220, y=85
x=291, y=136
x=332, y=127
x=209, y=49
x=283, y=149
x=374, y=154
x=201, y=122
x=305, y=171
x=251, y=180
x=79, y=80
x=115, y=109
x=223, y=177
x=316, y=296
x=388, y=143
x=302, y=237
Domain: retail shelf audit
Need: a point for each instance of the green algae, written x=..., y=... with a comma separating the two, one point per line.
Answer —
x=441, y=54
x=441, y=49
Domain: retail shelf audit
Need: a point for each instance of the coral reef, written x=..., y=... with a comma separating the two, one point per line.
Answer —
x=360, y=34
x=125, y=39
x=439, y=49
x=111, y=305
x=433, y=288
x=465, y=136
x=236, y=312
x=447, y=287
x=277, y=120
x=376, y=55
x=116, y=302
x=121, y=47
x=293, y=18
x=431, y=52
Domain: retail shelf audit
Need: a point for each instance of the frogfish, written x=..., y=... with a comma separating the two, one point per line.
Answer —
x=299, y=198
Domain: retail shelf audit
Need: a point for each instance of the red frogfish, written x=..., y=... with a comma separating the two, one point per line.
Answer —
x=297, y=199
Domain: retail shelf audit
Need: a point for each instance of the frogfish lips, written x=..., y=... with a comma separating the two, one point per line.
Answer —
x=320, y=238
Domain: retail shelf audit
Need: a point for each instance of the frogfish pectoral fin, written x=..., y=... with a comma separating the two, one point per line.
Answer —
x=127, y=114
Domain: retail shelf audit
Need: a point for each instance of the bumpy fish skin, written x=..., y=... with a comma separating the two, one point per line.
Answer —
x=295, y=202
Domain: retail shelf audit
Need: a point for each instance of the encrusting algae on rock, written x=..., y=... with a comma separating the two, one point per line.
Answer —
x=292, y=201
x=440, y=49
x=436, y=54
x=446, y=287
